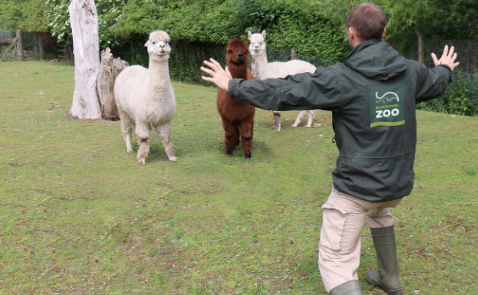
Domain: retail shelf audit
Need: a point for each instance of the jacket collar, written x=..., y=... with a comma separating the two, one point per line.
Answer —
x=363, y=45
x=376, y=60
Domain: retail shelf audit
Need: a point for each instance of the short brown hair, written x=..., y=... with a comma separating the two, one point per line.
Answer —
x=368, y=20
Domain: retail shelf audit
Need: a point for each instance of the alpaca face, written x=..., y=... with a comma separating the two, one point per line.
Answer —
x=236, y=52
x=257, y=45
x=158, y=44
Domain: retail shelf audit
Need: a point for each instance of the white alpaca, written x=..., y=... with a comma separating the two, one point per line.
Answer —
x=261, y=70
x=145, y=98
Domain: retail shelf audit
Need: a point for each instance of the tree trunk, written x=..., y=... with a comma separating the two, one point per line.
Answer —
x=12, y=44
x=105, y=86
x=421, y=45
x=84, y=26
x=110, y=69
x=19, y=45
x=7, y=41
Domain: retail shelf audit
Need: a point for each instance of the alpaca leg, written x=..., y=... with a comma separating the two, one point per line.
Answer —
x=144, y=141
x=246, y=136
x=231, y=136
x=126, y=130
x=276, y=121
x=311, y=117
x=299, y=118
x=164, y=133
x=237, y=134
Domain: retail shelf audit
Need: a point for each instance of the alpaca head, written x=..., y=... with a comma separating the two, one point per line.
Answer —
x=257, y=45
x=158, y=45
x=236, y=52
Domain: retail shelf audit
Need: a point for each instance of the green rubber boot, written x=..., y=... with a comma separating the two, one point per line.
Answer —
x=349, y=288
x=387, y=275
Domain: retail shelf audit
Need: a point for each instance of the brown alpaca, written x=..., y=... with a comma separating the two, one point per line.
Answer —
x=237, y=118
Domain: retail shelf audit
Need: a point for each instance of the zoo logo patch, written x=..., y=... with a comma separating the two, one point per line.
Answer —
x=387, y=106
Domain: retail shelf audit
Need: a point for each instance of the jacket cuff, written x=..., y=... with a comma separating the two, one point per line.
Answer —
x=452, y=77
x=232, y=87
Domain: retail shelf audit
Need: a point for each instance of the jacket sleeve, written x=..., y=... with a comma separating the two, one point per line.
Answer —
x=306, y=91
x=432, y=82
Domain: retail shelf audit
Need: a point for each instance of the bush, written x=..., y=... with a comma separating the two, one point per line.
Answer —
x=184, y=62
x=217, y=21
x=200, y=29
x=187, y=57
x=307, y=30
x=460, y=98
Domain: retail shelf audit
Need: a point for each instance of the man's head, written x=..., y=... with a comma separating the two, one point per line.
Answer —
x=365, y=21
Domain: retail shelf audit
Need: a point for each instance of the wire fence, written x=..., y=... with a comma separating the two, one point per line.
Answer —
x=186, y=56
x=467, y=51
x=31, y=43
x=461, y=98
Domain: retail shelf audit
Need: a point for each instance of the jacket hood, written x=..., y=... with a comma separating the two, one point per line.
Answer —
x=376, y=60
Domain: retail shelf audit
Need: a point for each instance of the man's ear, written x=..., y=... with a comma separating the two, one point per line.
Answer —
x=351, y=32
x=384, y=32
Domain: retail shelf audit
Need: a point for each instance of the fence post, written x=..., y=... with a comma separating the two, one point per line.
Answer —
x=292, y=53
x=40, y=46
x=19, y=45
x=421, y=45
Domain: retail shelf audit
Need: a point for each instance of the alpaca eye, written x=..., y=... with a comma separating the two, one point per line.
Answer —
x=230, y=51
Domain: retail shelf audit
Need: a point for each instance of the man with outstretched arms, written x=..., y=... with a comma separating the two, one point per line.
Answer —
x=372, y=97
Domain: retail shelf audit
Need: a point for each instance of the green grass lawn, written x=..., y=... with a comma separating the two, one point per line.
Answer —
x=79, y=216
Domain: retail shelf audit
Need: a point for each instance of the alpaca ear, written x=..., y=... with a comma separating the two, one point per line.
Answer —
x=146, y=44
x=249, y=34
x=264, y=34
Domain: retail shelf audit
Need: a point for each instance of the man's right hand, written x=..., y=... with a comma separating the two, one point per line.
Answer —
x=219, y=76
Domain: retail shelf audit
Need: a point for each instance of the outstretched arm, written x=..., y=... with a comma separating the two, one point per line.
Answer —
x=219, y=76
x=304, y=91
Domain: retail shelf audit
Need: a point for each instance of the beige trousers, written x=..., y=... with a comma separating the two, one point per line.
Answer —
x=339, y=246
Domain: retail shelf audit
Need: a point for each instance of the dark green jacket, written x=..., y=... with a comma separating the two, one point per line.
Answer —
x=372, y=97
